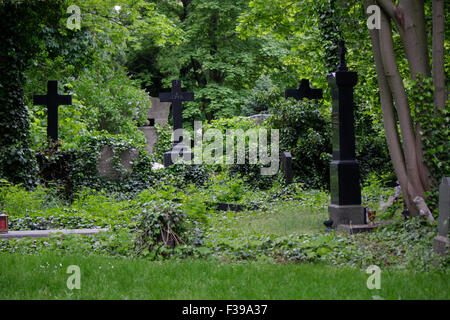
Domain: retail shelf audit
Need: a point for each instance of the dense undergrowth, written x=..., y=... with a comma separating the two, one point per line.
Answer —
x=166, y=221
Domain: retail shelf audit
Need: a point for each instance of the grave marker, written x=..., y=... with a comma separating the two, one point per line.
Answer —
x=286, y=163
x=304, y=91
x=177, y=96
x=345, y=207
x=158, y=113
x=441, y=242
x=52, y=100
x=105, y=165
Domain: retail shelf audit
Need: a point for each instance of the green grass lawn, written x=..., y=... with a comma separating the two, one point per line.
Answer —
x=45, y=277
x=281, y=220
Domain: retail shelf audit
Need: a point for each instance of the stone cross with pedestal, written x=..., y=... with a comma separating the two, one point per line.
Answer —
x=441, y=242
x=52, y=100
x=177, y=96
x=345, y=208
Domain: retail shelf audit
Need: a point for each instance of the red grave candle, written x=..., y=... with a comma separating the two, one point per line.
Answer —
x=3, y=223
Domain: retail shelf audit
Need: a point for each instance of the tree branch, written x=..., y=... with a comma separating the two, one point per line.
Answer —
x=392, y=11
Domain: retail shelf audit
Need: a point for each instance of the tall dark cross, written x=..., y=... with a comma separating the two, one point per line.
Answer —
x=176, y=96
x=52, y=100
x=304, y=91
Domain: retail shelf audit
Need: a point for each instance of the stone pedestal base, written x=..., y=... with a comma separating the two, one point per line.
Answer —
x=356, y=228
x=441, y=245
x=346, y=215
x=177, y=154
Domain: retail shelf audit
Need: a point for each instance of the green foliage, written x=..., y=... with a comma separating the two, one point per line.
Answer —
x=164, y=142
x=312, y=30
x=111, y=243
x=110, y=100
x=305, y=132
x=16, y=200
x=435, y=130
x=177, y=223
x=44, y=208
x=262, y=97
x=88, y=62
x=225, y=189
x=160, y=225
x=19, y=43
x=375, y=196
x=211, y=60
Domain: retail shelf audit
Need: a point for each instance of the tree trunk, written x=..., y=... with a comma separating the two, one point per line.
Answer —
x=406, y=152
x=387, y=107
x=440, y=92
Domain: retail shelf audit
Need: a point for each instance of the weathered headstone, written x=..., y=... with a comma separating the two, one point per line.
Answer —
x=345, y=207
x=158, y=113
x=176, y=96
x=441, y=242
x=304, y=91
x=259, y=118
x=52, y=100
x=106, y=166
x=286, y=164
x=151, y=137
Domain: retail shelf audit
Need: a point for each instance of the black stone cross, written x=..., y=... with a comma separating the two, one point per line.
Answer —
x=52, y=100
x=176, y=97
x=304, y=91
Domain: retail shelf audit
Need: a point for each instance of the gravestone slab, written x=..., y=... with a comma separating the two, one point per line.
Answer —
x=150, y=136
x=106, y=166
x=345, y=207
x=158, y=113
x=441, y=242
x=259, y=118
x=362, y=228
x=286, y=164
x=47, y=233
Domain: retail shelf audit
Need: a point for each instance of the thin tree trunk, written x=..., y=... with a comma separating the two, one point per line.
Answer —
x=440, y=92
x=387, y=107
x=395, y=81
x=409, y=17
x=414, y=37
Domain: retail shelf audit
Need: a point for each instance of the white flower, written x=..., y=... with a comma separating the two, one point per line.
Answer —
x=157, y=166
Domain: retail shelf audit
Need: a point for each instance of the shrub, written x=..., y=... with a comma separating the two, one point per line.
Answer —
x=262, y=97
x=305, y=132
x=160, y=225
x=113, y=102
